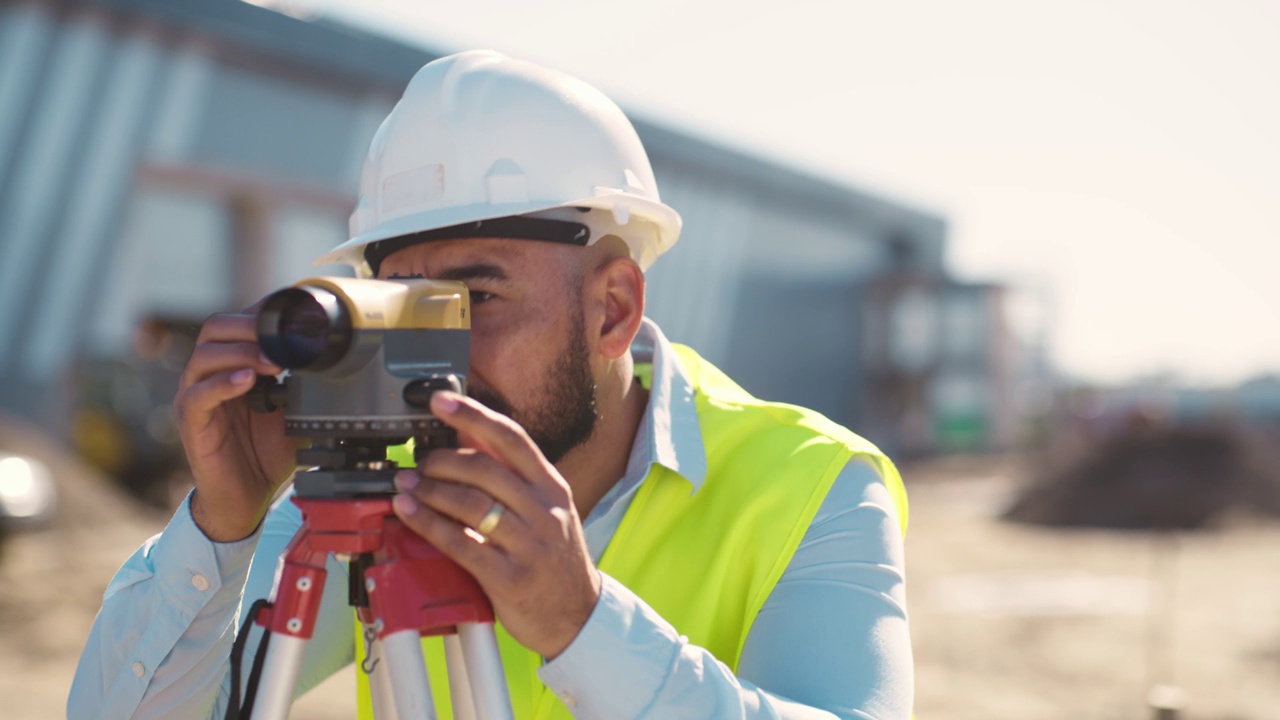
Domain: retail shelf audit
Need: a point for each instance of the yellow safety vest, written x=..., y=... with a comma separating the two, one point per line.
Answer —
x=704, y=561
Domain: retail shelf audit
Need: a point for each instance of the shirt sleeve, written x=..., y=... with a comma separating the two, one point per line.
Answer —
x=831, y=641
x=160, y=643
x=160, y=646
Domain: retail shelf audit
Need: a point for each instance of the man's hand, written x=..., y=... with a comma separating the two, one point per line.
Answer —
x=238, y=458
x=534, y=565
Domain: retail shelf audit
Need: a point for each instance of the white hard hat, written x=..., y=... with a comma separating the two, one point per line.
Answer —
x=481, y=144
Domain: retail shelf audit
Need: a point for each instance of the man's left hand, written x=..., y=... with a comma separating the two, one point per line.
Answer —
x=533, y=564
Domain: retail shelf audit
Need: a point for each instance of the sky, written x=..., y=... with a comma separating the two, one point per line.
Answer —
x=1120, y=158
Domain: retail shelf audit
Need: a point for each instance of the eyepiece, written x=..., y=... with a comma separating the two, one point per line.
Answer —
x=304, y=328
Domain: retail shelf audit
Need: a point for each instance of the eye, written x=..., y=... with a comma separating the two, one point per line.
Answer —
x=480, y=296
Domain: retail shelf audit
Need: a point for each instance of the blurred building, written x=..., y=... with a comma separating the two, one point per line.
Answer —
x=161, y=160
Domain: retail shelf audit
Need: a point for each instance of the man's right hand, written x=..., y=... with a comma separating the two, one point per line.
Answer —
x=238, y=458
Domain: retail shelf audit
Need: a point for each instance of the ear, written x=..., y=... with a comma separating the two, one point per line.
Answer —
x=616, y=306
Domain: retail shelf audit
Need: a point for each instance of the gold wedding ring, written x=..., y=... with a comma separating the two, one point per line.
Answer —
x=490, y=519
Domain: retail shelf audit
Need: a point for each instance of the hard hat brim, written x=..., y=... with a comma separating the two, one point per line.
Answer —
x=623, y=205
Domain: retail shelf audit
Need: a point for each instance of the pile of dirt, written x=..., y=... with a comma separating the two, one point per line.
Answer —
x=1154, y=476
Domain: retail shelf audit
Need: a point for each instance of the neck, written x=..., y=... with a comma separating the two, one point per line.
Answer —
x=592, y=468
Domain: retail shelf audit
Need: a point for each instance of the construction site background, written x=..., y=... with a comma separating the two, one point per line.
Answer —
x=1128, y=550
x=1075, y=550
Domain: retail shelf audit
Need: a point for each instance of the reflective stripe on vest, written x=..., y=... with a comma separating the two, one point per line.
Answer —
x=705, y=561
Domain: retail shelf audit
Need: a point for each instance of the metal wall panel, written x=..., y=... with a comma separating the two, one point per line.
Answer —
x=797, y=342
x=692, y=288
x=96, y=188
x=813, y=247
x=47, y=160
x=26, y=33
x=158, y=269
x=180, y=106
x=281, y=131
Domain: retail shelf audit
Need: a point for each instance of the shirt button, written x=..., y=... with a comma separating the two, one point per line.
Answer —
x=138, y=670
x=568, y=699
x=200, y=582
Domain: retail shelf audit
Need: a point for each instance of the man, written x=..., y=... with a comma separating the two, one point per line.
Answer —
x=657, y=543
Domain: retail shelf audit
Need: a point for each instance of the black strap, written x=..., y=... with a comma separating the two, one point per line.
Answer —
x=518, y=227
x=234, y=711
x=251, y=692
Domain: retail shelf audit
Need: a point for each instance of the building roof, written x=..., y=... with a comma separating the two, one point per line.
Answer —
x=350, y=55
x=317, y=44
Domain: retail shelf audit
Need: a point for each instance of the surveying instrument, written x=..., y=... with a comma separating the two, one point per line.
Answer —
x=364, y=358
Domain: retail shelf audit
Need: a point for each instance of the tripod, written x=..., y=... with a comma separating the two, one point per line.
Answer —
x=403, y=588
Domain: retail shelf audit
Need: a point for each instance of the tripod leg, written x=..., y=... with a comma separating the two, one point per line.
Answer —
x=295, y=602
x=484, y=669
x=464, y=707
x=407, y=675
x=375, y=667
x=279, y=677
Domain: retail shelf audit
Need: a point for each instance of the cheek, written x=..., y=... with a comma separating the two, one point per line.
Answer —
x=512, y=357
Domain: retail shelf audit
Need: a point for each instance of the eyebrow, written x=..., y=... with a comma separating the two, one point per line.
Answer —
x=475, y=271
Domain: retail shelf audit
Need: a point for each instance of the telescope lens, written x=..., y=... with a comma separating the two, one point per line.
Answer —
x=304, y=328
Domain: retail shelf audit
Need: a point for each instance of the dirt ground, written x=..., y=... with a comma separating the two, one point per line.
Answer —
x=1008, y=621
x=1013, y=621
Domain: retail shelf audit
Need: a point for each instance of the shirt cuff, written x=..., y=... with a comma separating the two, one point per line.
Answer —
x=191, y=568
x=620, y=659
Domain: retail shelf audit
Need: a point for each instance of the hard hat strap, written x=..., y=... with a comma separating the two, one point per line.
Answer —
x=518, y=227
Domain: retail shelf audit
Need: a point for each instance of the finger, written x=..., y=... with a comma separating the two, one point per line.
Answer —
x=450, y=537
x=213, y=357
x=240, y=325
x=467, y=505
x=194, y=406
x=470, y=467
x=229, y=327
x=494, y=433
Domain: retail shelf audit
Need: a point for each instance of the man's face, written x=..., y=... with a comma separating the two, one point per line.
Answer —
x=530, y=355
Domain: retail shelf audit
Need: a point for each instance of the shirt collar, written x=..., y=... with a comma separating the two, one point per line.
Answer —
x=670, y=434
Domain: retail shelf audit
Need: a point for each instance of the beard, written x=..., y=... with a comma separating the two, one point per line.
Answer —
x=563, y=415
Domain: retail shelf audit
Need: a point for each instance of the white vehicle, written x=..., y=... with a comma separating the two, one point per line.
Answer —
x=27, y=495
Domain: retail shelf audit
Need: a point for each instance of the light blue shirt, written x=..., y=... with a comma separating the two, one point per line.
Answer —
x=831, y=641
